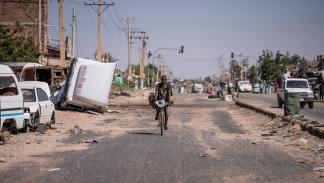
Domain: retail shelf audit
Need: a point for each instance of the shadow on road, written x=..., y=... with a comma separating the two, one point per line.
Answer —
x=143, y=133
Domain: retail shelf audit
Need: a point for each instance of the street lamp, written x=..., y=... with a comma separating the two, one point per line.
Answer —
x=180, y=50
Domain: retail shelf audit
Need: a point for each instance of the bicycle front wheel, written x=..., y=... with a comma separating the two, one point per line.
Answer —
x=161, y=121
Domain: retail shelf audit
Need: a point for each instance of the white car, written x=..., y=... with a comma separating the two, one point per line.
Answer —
x=37, y=99
x=244, y=86
x=12, y=114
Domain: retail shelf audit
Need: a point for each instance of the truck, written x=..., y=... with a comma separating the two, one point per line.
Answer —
x=296, y=85
x=86, y=87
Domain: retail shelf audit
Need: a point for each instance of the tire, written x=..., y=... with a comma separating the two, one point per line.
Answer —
x=302, y=105
x=311, y=105
x=4, y=136
x=279, y=102
x=35, y=121
x=161, y=121
x=53, y=118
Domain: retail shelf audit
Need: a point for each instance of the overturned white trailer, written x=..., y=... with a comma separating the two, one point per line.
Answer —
x=87, y=85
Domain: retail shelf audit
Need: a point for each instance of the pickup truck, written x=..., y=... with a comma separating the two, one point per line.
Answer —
x=296, y=85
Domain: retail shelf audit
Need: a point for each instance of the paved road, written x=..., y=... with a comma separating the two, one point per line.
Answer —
x=317, y=113
x=200, y=146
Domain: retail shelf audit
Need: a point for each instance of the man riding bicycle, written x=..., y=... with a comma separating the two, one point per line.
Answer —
x=163, y=91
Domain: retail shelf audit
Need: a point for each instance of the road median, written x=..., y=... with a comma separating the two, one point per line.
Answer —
x=312, y=126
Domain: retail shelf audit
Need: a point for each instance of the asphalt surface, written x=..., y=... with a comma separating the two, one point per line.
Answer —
x=317, y=113
x=143, y=156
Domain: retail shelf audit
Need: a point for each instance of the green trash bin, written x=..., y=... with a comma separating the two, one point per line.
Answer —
x=292, y=104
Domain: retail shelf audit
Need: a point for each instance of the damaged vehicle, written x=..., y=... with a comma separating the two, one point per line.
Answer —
x=37, y=99
x=86, y=87
x=13, y=116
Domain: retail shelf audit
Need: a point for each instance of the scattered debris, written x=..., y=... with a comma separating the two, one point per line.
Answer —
x=91, y=141
x=213, y=148
x=266, y=134
x=255, y=142
x=303, y=140
x=50, y=169
x=2, y=160
x=112, y=111
x=318, y=168
x=93, y=112
x=204, y=155
x=75, y=130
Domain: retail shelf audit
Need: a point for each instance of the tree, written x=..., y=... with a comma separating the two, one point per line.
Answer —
x=15, y=48
x=235, y=69
x=272, y=67
x=253, y=73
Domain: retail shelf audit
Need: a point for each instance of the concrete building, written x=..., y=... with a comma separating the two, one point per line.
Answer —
x=27, y=14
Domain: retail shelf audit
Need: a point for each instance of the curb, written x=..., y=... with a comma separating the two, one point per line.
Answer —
x=314, y=127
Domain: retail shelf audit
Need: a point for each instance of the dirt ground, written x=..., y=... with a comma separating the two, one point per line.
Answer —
x=76, y=131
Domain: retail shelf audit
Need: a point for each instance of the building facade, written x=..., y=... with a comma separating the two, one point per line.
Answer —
x=26, y=13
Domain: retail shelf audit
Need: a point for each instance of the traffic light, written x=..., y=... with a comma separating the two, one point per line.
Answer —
x=232, y=55
x=181, y=49
x=149, y=54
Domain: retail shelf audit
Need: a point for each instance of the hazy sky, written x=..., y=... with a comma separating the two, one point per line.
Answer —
x=209, y=29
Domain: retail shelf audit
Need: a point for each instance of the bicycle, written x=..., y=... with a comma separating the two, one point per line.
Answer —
x=161, y=104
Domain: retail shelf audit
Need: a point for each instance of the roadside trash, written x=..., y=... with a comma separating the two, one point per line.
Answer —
x=204, y=155
x=92, y=112
x=266, y=134
x=255, y=142
x=91, y=141
x=303, y=140
x=213, y=148
x=51, y=169
x=319, y=169
x=112, y=111
x=75, y=130
x=2, y=160
x=228, y=98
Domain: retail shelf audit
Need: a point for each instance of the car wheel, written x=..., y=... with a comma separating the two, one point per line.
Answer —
x=311, y=105
x=279, y=102
x=53, y=118
x=35, y=120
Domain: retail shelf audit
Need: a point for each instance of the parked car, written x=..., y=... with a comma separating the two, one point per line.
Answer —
x=37, y=99
x=12, y=112
x=296, y=85
x=244, y=86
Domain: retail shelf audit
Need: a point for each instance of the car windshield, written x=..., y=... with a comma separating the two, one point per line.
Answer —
x=297, y=84
x=29, y=95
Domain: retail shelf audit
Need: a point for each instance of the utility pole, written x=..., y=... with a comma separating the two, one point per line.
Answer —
x=73, y=32
x=40, y=26
x=99, y=12
x=99, y=45
x=143, y=39
x=129, y=39
x=142, y=60
x=61, y=31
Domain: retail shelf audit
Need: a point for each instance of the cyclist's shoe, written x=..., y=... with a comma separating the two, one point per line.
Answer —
x=156, y=118
x=165, y=127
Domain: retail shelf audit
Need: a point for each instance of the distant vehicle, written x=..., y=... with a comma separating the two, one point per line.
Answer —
x=296, y=85
x=256, y=88
x=87, y=86
x=12, y=112
x=37, y=100
x=244, y=86
x=197, y=88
